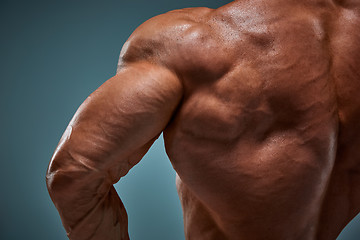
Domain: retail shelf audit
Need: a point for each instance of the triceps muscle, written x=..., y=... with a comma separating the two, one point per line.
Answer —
x=109, y=133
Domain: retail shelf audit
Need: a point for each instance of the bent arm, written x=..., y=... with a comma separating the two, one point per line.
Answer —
x=109, y=134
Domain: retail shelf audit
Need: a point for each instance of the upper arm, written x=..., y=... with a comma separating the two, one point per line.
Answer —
x=119, y=120
x=110, y=133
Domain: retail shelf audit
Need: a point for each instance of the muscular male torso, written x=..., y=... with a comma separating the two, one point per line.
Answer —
x=265, y=140
x=265, y=137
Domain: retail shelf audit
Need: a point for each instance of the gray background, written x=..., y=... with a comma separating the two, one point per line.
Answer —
x=53, y=54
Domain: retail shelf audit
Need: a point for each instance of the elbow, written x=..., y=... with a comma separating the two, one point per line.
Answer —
x=51, y=172
x=67, y=177
x=62, y=174
x=56, y=179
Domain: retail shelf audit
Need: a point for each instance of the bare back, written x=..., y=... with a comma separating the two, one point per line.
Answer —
x=263, y=142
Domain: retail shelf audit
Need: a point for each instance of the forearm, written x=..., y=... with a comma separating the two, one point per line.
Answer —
x=86, y=200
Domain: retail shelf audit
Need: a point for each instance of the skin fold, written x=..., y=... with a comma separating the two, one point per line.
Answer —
x=258, y=103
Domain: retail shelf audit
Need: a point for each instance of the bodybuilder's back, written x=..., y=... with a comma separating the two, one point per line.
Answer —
x=264, y=141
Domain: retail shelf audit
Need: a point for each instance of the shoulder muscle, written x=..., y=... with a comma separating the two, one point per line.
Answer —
x=172, y=39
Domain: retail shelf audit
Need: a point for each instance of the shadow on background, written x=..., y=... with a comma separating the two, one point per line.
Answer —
x=53, y=55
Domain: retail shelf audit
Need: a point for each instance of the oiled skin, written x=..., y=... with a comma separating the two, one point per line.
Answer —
x=258, y=102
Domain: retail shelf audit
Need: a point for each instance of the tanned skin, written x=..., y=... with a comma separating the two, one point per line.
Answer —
x=259, y=105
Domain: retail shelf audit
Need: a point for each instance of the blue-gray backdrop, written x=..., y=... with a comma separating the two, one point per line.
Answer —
x=53, y=54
